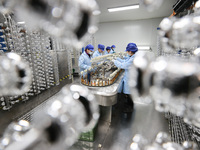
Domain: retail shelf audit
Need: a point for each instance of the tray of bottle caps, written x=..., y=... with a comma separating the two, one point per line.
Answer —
x=101, y=82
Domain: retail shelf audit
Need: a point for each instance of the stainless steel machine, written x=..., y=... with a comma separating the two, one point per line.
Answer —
x=104, y=81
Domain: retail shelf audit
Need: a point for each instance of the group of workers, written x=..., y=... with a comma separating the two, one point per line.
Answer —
x=131, y=49
x=101, y=48
x=84, y=59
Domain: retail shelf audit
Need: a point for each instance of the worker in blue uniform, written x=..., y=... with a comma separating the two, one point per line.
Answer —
x=99, y=52
x=108, y=50
x=125, y=64
x=84, y=59
x=113, y=48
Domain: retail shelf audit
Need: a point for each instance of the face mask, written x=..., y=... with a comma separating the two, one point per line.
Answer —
x=128, y=55
x=113, y=49
x=90, y=53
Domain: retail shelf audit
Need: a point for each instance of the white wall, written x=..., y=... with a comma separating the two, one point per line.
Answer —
x=141, y=32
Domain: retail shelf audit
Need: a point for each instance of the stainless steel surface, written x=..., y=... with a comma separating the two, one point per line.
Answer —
x=144, y=120
x=107, y=96
x=62, y=61
x=107, y=100
x=106, y=114
x=54, y=56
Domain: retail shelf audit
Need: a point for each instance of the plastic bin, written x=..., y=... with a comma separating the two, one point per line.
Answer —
x=89, y=136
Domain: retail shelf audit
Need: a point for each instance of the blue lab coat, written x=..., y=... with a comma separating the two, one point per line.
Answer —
x=84, y=61
x=96, y=54
x=124, y=64
x=112, y=51
x=106, y=52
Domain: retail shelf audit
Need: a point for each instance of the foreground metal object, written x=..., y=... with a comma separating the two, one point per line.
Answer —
x=173, y=30
x=70, y=21
x=172, y=83
x=177, y=82
x=141, y=77
x=107, y=96
x=161, y=142
x=15, y=75
x=59, y=126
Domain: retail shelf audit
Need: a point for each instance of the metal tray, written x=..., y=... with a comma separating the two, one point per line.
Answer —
x=107, y=96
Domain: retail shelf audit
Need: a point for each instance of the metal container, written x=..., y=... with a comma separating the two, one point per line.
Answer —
x=100, y=83
x=97, y=82
x=107, y=96
x=86, y=82
x=109, y=81
x=104, y=82
x=93, y=83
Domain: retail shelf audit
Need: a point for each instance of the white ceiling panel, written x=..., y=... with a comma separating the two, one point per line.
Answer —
x=164, y=11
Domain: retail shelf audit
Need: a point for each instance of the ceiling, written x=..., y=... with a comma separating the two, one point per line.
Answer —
x=164, y=10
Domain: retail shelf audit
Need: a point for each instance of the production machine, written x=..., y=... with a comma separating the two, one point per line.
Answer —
x=102, y=72
x=103, y=79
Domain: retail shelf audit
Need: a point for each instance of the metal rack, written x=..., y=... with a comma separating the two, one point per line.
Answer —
x=181, y=131
x=178, y=129
x=42, y=53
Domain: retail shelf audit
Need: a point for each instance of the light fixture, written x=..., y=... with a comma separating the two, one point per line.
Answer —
x=144, y=47
x=123, y=8
x=22, y=22
x=196, y=51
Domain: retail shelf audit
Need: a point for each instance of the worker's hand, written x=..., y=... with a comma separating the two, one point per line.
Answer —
x=81, y=72
x=90, y=68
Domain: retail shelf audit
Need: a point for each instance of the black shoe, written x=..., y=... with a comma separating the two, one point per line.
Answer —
x=128, y=108
x=128, y=104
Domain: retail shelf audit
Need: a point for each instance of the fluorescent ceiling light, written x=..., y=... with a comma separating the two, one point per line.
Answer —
x=123, y=8
x=22, y=22
x=197, y=51
x=144, y=47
